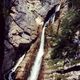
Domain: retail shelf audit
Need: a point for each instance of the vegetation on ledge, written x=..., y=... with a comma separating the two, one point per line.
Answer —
x=67, y=48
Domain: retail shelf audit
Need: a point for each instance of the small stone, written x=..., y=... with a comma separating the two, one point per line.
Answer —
x=25, y=36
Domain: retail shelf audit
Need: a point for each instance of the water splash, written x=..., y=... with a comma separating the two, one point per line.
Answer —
x=37, y=64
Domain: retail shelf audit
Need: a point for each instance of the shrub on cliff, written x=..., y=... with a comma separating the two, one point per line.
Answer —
x=66, y=48
x=75, y=4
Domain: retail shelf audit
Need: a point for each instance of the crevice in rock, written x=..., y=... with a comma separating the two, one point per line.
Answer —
x=74, y=68
x=20, y=27
x=2, y=32
x=49, y=14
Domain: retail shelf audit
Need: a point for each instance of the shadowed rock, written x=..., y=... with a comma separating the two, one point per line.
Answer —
x=74, y=68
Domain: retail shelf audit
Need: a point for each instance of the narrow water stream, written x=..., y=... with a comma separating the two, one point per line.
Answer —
x=37, y=63
x=14, y=68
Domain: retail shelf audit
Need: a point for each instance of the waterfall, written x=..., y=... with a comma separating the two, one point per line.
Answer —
x=37, y=63
x=18, y=63
x=15, y=67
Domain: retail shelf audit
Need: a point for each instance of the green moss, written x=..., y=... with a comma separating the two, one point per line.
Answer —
x=51, y=76
x=56, y=64
x=61, y=77
x=69, y=22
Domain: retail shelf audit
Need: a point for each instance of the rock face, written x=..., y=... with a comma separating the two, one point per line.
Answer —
x=24, y=19
x=23, y=26
x=2, y=24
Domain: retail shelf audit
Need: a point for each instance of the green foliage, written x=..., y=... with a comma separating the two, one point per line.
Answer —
x=74, y=3
x=70, y=21
x=70, y=24
x=60, y=77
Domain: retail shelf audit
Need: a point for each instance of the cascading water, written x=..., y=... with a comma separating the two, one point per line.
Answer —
x=18, y=63
x=14, y=68
x=37, y=63
x=36, y=67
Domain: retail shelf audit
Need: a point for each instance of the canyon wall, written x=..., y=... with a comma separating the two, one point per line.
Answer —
x=23, y=21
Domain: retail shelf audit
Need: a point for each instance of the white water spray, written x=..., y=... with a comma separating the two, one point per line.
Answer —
x=37, y=64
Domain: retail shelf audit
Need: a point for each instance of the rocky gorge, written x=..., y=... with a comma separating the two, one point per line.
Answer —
x=22, y=22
